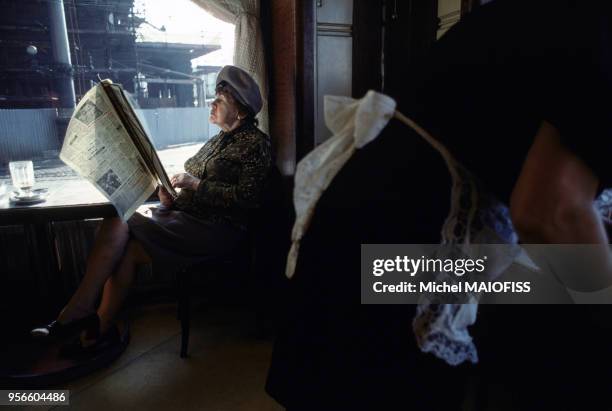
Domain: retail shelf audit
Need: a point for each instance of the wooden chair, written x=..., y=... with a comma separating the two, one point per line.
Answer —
x=261, y=257
x=230, y=265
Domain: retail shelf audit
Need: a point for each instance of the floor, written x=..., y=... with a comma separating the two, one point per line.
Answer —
x=226, y=369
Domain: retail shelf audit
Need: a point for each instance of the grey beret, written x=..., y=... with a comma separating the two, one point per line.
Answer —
x=247, y=90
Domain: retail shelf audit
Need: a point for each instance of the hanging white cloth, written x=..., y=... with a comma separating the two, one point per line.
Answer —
x=354, y=123
x=474, y=218
x=248, y=42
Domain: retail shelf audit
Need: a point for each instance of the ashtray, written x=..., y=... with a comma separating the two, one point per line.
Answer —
x=36, y=196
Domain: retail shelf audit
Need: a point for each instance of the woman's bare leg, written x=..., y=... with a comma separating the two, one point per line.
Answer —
x=118, y=284
x=109, y=247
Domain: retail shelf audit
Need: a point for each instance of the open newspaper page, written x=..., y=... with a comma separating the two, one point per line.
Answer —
x=138, y=134
x=97, y=146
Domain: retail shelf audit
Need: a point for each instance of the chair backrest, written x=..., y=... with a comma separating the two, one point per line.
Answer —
x=270, y=234
x=269, y=198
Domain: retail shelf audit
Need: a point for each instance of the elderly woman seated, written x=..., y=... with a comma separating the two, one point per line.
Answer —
x=209, y=216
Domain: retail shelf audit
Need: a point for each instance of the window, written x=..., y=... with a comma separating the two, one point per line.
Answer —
x=165, y=55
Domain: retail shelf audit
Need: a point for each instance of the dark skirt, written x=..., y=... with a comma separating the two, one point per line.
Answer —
x=174, y=239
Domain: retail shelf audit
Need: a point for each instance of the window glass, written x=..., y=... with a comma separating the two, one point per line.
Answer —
x=166, y=55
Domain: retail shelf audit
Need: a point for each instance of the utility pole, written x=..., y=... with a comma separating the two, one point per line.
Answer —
x=62, y=66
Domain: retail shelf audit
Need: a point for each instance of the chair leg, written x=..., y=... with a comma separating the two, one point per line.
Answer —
x=183, y=280
x=185, y=333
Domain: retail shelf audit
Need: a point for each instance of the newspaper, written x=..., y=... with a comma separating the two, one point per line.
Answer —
x=106, y=144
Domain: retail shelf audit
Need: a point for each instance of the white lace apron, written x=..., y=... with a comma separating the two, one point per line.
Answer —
x=474, y=217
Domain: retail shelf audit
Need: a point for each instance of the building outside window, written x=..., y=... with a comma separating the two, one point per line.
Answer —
x=166, y=58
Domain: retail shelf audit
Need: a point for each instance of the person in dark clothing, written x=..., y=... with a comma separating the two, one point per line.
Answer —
x=517, y=91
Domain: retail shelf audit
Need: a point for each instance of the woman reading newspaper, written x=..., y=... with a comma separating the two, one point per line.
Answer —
x=209, y=216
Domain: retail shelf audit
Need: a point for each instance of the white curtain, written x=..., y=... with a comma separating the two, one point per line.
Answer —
x=248, y=41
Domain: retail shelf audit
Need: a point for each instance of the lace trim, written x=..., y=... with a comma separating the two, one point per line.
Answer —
x=432, y=325
x=474, y=217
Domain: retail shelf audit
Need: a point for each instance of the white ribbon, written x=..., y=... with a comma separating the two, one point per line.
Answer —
x=354, y=123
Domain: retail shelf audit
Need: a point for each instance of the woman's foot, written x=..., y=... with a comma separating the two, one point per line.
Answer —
x=57, y=329
x=86, y=346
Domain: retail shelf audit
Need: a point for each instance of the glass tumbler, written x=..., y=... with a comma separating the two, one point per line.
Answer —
x=22, y=174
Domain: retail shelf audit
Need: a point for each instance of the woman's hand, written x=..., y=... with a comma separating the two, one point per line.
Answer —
x=185, y=180
x=164, y=197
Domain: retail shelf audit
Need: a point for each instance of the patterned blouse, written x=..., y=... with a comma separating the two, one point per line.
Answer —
x=233, y=167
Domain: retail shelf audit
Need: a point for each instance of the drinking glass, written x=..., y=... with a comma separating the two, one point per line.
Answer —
x=3, y=190
x=22, y=173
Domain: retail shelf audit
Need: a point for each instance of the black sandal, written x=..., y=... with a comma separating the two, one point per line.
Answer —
x=56, y=330
x=77, y=351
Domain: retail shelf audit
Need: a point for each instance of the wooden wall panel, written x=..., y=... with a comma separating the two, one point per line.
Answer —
x=334, y=75
x=283, y=74
x=317, y=47
x=333, y=56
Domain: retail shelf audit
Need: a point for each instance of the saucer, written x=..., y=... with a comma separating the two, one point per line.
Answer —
x=38, y=196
